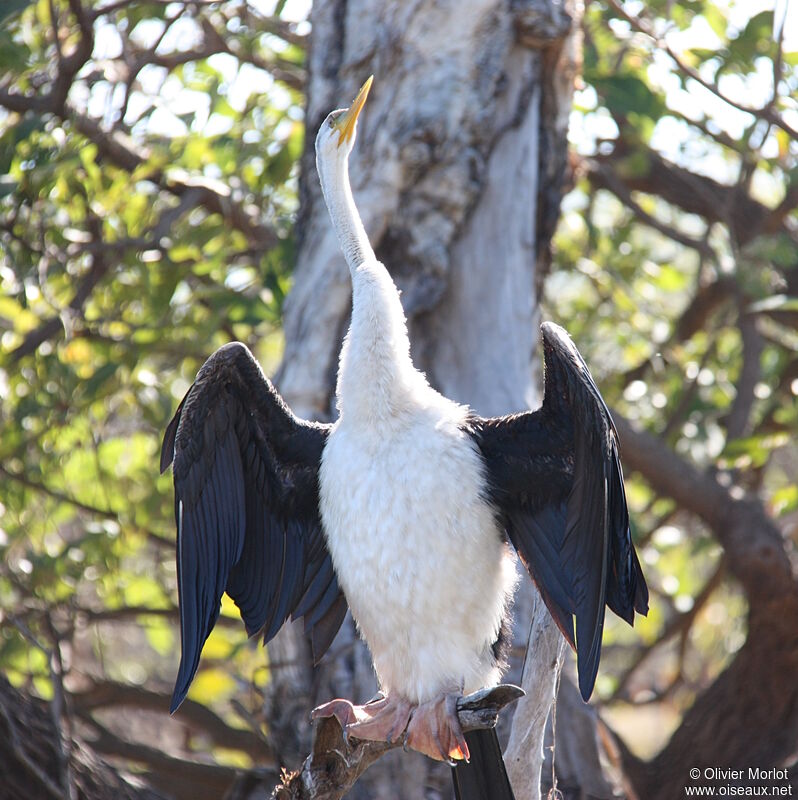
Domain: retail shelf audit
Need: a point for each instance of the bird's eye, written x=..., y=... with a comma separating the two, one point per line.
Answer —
x=334, y=116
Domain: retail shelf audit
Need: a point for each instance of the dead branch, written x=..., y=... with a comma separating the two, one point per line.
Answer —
x=334, y=764
x=689, y=191
x=111, y=694
x=178, y=777
x=738, y=420
x=608, y=178
x=755, y=561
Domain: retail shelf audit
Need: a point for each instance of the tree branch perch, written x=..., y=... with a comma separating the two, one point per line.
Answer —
x=334, y=765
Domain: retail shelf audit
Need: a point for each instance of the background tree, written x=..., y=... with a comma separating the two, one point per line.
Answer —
x=697, y=175
x=150, y=155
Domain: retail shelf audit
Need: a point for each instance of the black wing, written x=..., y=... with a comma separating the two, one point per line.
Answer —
x=555, y=478
x=247, y=510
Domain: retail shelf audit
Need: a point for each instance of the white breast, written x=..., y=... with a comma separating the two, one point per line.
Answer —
x=416, y=548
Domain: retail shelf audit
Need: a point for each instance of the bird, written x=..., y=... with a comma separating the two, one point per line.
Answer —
x=408, y=510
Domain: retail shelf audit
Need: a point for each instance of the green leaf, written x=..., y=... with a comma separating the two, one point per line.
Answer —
x=753, y=41
x=714, y=15
x=102, y=374
x=784, y=500
x=627, y=93
x=753, y=451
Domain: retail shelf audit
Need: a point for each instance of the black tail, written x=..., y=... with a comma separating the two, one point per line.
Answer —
x=484, y=776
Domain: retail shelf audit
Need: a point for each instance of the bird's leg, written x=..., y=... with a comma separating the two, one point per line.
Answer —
x=435, y=730
x=382, y=719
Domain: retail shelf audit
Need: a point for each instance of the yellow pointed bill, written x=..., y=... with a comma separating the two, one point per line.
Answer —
x=346, y=122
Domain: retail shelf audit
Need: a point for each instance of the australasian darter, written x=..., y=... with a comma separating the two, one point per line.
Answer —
x=403, y=510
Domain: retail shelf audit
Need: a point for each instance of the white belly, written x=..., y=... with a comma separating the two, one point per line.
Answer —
x=417, y=552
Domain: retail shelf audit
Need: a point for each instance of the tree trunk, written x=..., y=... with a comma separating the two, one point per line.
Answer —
x=34, y=762
x=459, y=205
x=739, y=722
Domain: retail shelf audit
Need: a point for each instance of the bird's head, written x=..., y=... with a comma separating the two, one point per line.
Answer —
x=336, y=137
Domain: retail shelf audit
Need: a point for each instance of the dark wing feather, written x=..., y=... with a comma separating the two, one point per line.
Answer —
x=247, y=511
x=556, y=480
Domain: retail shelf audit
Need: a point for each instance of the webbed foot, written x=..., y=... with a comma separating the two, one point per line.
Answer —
x=435, y=730
x=383, y=719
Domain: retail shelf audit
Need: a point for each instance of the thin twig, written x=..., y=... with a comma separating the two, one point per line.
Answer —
x=611, y=181
x=56, y=495
x=766, y=112
x=679, y=625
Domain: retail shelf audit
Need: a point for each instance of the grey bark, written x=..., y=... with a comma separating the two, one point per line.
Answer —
x=579, y=749
x=447, y=175
x=542, y=664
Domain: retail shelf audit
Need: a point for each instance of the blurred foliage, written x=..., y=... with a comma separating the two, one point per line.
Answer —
x=676, y=271
x=120, y=273
x=146, y=216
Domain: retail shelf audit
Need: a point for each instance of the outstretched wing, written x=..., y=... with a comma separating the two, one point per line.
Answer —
x=555, y=478
x=246, y=505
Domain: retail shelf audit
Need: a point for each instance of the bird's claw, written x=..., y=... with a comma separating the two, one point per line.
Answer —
x=382, y=719
x=432, y=728
x=342, y=710
x=435, y=730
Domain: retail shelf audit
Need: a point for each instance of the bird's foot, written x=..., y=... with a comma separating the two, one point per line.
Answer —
x=435, y=730
x=383, y=719
x=432, y=728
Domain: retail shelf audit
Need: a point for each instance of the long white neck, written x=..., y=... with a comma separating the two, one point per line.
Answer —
x=376, y=377
x=334, y=177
